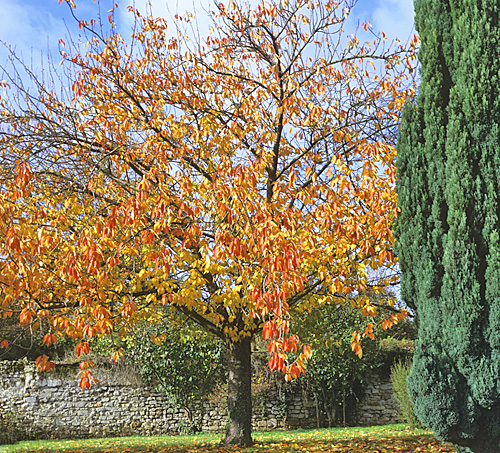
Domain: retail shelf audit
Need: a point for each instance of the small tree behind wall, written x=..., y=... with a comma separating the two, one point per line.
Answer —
x=334, y=371
x=448, y=229
x=186, y=367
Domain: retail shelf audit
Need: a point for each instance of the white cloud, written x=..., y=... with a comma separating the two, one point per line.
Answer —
x=162, y=8
x=198, y=27
x=395, y=18
x=26, y=30
x=159, y=8
x=31, y=27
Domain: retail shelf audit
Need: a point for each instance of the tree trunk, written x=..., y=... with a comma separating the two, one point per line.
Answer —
x=327, y=409
x=343, y=408
x=316, y=405
x=239, y=398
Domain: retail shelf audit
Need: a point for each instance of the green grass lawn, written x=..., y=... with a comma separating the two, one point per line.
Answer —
x=377, y=439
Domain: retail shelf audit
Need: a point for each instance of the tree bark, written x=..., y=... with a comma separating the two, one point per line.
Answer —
x=316, y=405
x=239, y=398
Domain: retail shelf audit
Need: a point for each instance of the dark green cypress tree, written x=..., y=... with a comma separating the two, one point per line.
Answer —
x=448, y=230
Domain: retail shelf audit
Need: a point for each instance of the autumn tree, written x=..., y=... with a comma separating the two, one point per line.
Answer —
x=230, y=179
x=449, y=245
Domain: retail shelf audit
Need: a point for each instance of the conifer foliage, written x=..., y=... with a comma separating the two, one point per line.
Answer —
x=229, y=178
x=448, y=229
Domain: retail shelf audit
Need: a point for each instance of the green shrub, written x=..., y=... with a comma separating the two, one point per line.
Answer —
x=399, y=372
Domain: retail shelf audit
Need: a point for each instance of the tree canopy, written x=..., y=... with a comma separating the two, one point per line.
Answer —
x=230, y=178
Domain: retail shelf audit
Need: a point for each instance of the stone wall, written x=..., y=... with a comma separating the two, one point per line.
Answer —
x=53, y=405
x=378, y=406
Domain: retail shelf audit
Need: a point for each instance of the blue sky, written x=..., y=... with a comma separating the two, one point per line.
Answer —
x=34, y=26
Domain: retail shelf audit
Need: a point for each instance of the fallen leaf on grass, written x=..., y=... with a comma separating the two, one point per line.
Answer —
x=385, y=439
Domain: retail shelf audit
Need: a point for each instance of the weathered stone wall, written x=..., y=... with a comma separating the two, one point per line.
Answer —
x=51, y=405
x=378, y=406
